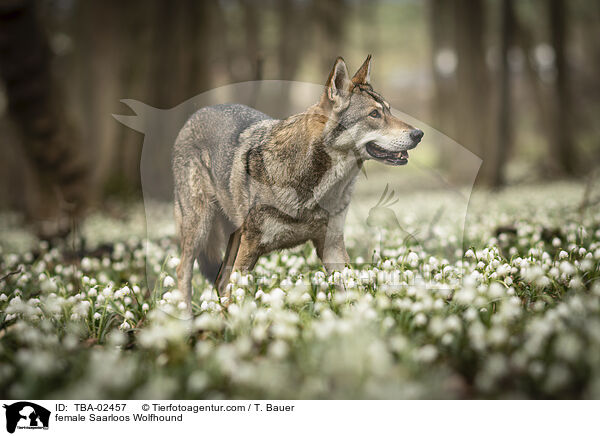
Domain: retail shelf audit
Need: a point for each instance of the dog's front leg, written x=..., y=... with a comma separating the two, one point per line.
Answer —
x=242, y=254
x=332, y=252
x=226, y=268
x=330, y=245
x=334, y=256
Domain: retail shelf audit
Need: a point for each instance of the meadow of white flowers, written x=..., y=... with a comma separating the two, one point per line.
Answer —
x=516, y=315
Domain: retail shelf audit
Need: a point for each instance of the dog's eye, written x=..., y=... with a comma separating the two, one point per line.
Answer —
x=374, y=114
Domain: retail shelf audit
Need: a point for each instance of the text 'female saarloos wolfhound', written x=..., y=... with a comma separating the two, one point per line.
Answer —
x=247, y=184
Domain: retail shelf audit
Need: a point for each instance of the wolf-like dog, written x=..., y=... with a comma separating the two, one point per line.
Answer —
x=247, y=184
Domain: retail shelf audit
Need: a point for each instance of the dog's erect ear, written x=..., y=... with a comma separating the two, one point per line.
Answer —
x=338, y=82
x=362, y=76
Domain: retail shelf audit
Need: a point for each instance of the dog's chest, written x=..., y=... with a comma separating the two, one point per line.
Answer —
x=282, y=231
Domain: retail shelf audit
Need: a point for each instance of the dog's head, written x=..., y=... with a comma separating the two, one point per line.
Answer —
x=360, y=119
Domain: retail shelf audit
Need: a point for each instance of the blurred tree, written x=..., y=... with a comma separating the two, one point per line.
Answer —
x=443, y=66
x=473, y=94
x=330, y=18
x=585, y=87
x=292, y=21
x=98, y=57
x=252, y=33
x=503, y=126
x=443, y=63
x=252, y=26
x=35, y=104
x=549, y=79
x=562, y=146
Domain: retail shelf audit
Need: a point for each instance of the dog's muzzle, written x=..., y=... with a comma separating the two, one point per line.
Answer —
x=394, y=157
x=389, y=157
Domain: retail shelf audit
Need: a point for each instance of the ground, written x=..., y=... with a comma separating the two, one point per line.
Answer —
x=506, y=305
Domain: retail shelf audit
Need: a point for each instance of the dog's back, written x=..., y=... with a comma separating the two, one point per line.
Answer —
x=210, y=137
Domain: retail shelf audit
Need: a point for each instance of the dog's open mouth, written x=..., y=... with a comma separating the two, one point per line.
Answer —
x=390, y=157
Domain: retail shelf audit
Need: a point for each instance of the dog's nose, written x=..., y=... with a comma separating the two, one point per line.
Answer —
x=416, y=134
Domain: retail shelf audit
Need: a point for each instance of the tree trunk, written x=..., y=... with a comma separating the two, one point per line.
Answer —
x=442, y=64
x=292, y=42
x=329, y=17
x=473, y=93
x=36, y=106
x=503, y=138
x=561, y=142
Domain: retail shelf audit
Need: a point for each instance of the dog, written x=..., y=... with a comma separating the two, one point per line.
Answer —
x=246, y=184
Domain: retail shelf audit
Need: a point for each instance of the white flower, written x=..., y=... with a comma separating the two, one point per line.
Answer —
x=532, y=273
x=496, y=290
x=168, y=282
x=234, y=277
x=48, y=285
x=107, y=292
x=428, y=353
x=412, y=259
x=567, y=268
x=576, y=283
x=278, y=349
x=173, y=262
x=86, y=264
x=124, y=326
x=420, y=319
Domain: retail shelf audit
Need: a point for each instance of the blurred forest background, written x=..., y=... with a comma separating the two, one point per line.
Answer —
x=516, y=82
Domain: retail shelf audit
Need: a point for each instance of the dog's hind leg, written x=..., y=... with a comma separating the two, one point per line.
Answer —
x=222, y=279
x=196, y=216
x=209, y=258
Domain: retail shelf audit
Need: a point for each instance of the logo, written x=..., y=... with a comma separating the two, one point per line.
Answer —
x=26, y=415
